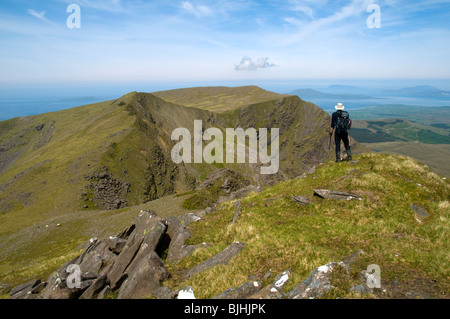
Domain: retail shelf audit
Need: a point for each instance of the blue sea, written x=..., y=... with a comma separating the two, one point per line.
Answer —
x=23, y=101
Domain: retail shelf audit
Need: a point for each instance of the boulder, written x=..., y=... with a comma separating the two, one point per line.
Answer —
x=145, y=278
x=360, y=289
x=243, y=292
x=420, y=212
x=92, y=262
x=187, y=250
x=189, y=218
x=221, y=258
x=145, y=221
x=96, y=287
x=301, y=200
x=165, y=293
x=126, y=232
x=55, y=280
x=149, y=245
x=176, y=247
x=317, y=284
x=268, y=292
x=21, y=291
x=117, y=272
x=115, y=244
x=237, y=212
x=281, y=279
x=338, y=195
x=173, y=225
x=104, y=292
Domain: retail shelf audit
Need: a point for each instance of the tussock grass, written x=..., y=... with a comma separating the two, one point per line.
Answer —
x=280, y=234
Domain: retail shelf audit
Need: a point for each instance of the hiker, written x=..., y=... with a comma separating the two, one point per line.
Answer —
x=341, y=123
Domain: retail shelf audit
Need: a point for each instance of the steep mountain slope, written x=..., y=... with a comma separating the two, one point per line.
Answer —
x=289, y=240
x=70, y=166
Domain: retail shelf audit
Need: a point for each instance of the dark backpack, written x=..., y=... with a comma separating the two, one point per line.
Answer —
x=342, y=122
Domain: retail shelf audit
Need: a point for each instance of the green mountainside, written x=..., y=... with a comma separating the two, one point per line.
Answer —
x=82, y=166
x=91, y=171
x=279, y=235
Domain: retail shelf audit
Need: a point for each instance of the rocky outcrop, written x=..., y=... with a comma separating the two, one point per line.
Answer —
x=317, y=284
x=130, y=264
x=105, y=191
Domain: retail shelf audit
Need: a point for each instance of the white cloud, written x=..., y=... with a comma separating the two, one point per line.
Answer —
x=39, y=15
x=248, y=64
x=305, y=9
x=199, y=11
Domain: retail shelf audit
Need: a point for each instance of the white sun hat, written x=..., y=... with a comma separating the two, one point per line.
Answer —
x=339, y=106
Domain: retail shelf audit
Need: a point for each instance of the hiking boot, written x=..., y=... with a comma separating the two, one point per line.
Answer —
x=338, y=160
x=349, y=154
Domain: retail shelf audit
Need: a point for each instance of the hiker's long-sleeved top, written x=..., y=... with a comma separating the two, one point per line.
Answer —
x=334, y=117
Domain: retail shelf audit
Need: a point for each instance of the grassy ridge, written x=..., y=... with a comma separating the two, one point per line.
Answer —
x=434, y=156
x=280, y=234
x=218, y=99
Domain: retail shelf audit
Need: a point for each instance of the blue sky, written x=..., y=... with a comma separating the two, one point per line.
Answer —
x=195, y=40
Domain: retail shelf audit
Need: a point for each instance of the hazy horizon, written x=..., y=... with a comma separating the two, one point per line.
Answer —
x=28, y=100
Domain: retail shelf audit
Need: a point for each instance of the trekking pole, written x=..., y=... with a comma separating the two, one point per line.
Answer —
x=329, y=142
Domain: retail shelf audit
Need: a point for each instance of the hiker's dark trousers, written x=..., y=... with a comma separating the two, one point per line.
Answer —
x=338, y=137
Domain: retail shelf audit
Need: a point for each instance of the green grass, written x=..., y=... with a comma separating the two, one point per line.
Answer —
x=43, y=185
x=434, y=156
x=281, y=234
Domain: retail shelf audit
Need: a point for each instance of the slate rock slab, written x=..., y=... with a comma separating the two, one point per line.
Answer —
x=303, y=200
x=21, y=291
x=246, y=290
x=420, y=212
x=221, y=258
x=317, y=284
x=337, y=195
x=145, y=279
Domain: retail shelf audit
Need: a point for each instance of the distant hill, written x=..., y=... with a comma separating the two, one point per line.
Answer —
x=353, y=92
x=312, y=94
x=435, y=116
x=350, y=89
x=418, y=91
